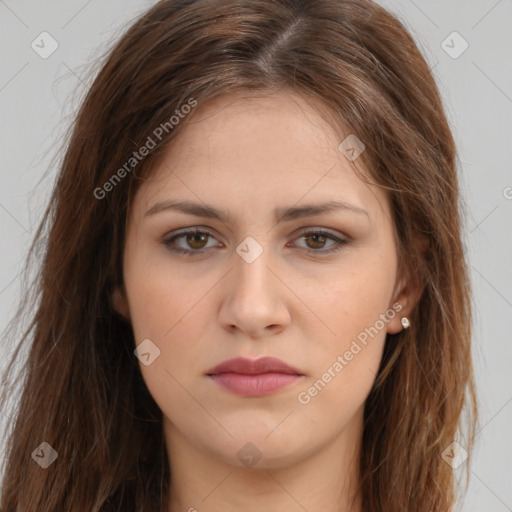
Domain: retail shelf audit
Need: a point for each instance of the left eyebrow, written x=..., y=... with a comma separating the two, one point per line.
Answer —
x=281, y=214
x=309, y=210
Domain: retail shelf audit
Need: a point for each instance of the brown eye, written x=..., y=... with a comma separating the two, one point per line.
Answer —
x=318, y=240
x=315, y=242
x=189, y=242
x=197, y=240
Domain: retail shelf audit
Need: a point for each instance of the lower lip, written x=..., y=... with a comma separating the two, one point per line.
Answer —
x=254, y=385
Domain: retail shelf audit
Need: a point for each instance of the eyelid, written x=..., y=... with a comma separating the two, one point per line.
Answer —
x=186, y=231
x=324, y=231
x=339, y=239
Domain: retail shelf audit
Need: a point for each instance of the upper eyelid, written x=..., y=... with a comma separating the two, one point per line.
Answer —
x=187, y=231
x=301, y=232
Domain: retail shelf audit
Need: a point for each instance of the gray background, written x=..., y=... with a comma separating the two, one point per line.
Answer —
x=38, y=96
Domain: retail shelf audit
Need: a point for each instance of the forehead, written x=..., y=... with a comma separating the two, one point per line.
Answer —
x=267, y=148
x=264, y=125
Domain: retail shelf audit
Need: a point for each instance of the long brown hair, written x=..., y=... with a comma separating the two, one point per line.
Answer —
x=82, y=391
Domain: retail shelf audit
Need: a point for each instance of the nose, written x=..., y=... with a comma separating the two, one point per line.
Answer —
x=253, y=300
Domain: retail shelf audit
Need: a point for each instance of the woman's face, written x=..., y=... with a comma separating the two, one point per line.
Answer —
x=260, y=281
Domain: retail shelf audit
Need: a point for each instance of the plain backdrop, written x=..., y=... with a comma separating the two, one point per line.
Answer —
x=38, y=96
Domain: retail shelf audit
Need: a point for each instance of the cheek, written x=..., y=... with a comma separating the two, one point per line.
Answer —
x=170, y=309
x=355, y=308
x=173, y=318
x=345, y=366
x=161, y=297
x=176, y=325
x=353, y=297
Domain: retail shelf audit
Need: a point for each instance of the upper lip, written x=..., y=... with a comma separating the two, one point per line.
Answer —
x=246, y=366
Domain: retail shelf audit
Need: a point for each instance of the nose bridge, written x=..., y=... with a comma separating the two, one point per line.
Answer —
x=252, y=275
x=251, y=301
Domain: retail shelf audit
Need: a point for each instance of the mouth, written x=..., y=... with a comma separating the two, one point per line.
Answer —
x=252, y=378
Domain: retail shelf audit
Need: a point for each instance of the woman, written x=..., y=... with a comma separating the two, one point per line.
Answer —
x=254, y=294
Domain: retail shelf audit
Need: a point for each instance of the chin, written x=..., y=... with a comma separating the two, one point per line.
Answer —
x=254, y=448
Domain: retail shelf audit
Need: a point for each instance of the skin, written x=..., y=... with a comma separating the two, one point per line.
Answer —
x=248, y=156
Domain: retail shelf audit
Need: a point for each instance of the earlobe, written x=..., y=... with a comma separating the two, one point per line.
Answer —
x=408, y=297
x=405, y=322
x=400, y=321
x=119, y=302
x=409, y=290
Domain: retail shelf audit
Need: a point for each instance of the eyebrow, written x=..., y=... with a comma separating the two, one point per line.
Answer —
x=280, y=214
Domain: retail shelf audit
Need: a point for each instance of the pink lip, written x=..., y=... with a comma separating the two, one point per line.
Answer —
x=259, y=377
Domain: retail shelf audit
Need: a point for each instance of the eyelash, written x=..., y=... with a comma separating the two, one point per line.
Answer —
x=339, y=245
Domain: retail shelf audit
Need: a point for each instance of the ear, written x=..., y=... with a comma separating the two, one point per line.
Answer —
x=407, y=293
x=119, y=302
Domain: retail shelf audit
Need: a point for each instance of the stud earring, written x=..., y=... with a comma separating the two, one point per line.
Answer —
x=405, y=322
